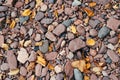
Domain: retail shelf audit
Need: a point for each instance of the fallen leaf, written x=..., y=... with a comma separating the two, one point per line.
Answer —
x=41, y=61
x=13, y=72
x=26, y=12
x=26, y=1
x=21, y=43
x=50, y=66
x=31, y=66
x=39, y=43
x=73, y=29
x=63, y=6
x=97, y=70
x=56, y=13
x=86, y=78
x=90, y=42
x=21, y=78
x=89, y=12
x=32, y=77
x=51, y=47
x=33, y=14
x=38, y=3
x=88, y=65
x=28, y=42
x=92, y=4
x=12, y=25
x=5, y=46
x=39, y=53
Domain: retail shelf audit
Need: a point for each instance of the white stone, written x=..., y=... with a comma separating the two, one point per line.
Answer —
x=70, y=55
x=104, y=73
x=58, y=68
x=110, y=46
x=43, y=7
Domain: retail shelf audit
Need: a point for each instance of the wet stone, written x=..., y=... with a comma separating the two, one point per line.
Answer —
x=44, y=47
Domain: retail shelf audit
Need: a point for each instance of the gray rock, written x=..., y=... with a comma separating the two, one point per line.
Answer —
x=46, y=21
x=13, y=14
x=2, y=15
x=94, y=23
x=59, y=76
x=4, y=66
x=113, y=56
x=76, y=44
x=76, y=3
x=108, y=60
x=104, y=31
x=23, y=19
x=44, y=47
x=78, y=75
x=51, y=1
x=67, y=23
x=23, y=71
x=39, y=16
x=105, y=78
x=3, y=8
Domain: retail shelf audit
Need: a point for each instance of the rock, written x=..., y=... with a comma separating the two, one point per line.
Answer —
x=78, y=75
x=113, y=24
x=44, y=47
x=3, y=8
x=70, y=36
x=76, y=44
x=37, y=37
x=23, y=71
x=13, y=14
x=113, y=56
x=103, y=49
x=110, y=46
x=11, y=59
x=43, y=7
x=44, y=72
x=67, y=23
x=22, y=55
x=94, y=23
x=58, y=68
x=103, y=2
x=93, y=52
x=1, y=40
x=32, y=56
x=46, y=21
x=14, y=45
x=105, y=78
x=30, y=32
x=113, y=40
x=80, y=30
x=68, y=11
x=50, y=36
x=104, y=73
x=51, y=56
x=112, y=76
x=108, y=60
x=23, y=19
x=59, y=29
x=4, y=66
x=19, y=4
x=93, y=32
x=93, y=77
x=70, y=55
x=38, y=69
x=104, y=31
x=39, y=16
x=76, y=3
x=2, y=15
x=57, y=46
x=32, y=4
x=53, y=77
x=51, y=1
x=23, y=30
x=60, y=76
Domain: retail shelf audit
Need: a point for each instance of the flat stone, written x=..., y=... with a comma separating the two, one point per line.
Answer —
x=44, y=47
x=38, y=69
x=32, y=56
x=4, y=66
x=50, y=36
x=112, y=76
x=39, y=16
x=22, y=55
x=93, y=32
x=14, y=45
x=103, y=49
x=93, y=77
x=60, y=76
x=51, y=56
x=94, y=23
x=78, y=75
x=11, y=59
x=37, y=37
x=113, y=40
x=76, y=44
x=103, y=32
x=76, y=3
x=43, y=7
x=105, y=78
x=23, y=30
x=44, y=72
x=46, y=21
x=68, y=11
x=113, y=23
x=70, y=36
x=58, y=68
x=59, y=29
x=67, y=23
x=113, y=56
x=80, y=30
x=19, y=4
x=23, y=71
x=70, y=55
x=3, y=8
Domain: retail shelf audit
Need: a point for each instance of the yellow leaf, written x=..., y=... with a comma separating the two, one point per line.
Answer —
x=73, y=29
x=39, y=53
x=5, y=46
x=32, y=77
x=56, y=13
x=26, y=1
x=96, y=69
x=12, y=25
x=14, y=72
x=26, y=12
x=21, y=78
x=38, y=3
x=88, y=65
x=92, y=4
x=63, y=6
x=50, y=66
x=86, y=78
x=30, y=66
x=39, y=43
x=89, y=12
x=119, y=50
x=21, y=43
x=28, y=42
x=33, y=14
x=41, y=61
x=90, y=42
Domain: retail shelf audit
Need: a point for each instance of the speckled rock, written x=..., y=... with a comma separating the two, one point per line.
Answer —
x=44, y=47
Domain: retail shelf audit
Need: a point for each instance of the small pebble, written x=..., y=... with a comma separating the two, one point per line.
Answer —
x=38, y=69
x=76, y=3
x=58, y=68
x=39, y=16
x=18, y=4
x=4, y=66
x=37, y=37
x=67, y=23
x=13, y=14
x=51, y=56
x=93, y=32
x=44, y=47
x=93, y=77
x=23, y=71
x=94, y=23
x=59, y=76
x=44, y=71
x=3, y=8
x=50, y=36
x=70, y=55
x=78, y=75
x=105, y=78
x=104, y=73
x=32, y=56
x=110, y=46
x=46, y=21
x=70, y=36
x=43, y=7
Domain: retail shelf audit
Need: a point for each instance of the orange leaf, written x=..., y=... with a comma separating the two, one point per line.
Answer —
x=26, y=12
x=41, y=61
x=90, y=42
x=12, y=25
x=92, y=4
x=89, y=12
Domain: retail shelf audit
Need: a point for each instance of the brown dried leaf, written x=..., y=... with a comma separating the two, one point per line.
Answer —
x=39, y=43
x=41, y=61
x=21, y=78
x=26, y=12
x=14, y=72
x=12, y=25
x=56, y=13
x=5, y=46
x=50, y=66
x=31, y=66
x=92, y=4
x=90, y=42
x=89, y=12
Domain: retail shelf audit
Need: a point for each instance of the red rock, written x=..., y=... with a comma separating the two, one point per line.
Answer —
x=50, y=36
x=113, y=40
x=80, y=30
x=38, y=69
x=113, y=24
x=51, y=56
x=44, y=71
x=23, y=71
x=19, y=4
x=76, y=44
x=93, y=77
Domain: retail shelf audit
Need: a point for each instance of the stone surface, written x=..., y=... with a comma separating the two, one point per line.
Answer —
x=4, y=66
x=50, y=36
x=32, y=56
x=44, y=47
x=76, y=44
x=46, y=20
x=58, y=68
x=37, y=37
x=39, y=16
x=19, y=4
x=3, y=8
x=94, y=23
x=38, y=69
x=93, y=77
x=93, y=32
x=51, y=56
x=44, y=71
x=78, y=75
x=23, y=71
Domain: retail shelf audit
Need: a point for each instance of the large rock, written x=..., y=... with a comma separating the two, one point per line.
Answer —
x=76, y=44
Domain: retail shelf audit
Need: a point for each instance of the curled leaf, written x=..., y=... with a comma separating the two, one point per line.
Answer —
x=26, y=12
x=92, y=4
x=90, y=42
x=119, y=50
x=89, y=12
x=14, y=72
x=73, y=29
x=21, y=42
x=39, y=43
x=50, y=66
x=12, y=25
x=41, y=61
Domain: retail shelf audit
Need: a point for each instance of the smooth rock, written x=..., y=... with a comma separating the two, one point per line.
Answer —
x=50, y=36
x=22, y=55
x=113, y=23
x=2, y=15
x=58, y=68
x=104, y=73
x=44, y=47
x=14, y=45
x=110, y=46
x=43, y=7
x=51, y=1
x=93, y=77
x=76, y=44
x=38, y=69
x=37, y=37
x=11, y=59
x=23, y=19
x=78, y=75
x=46, y=21
x=108, y=60
x=59, y=76
x=3, y=8
x=23, y=71
x=70, y=55
x=19, y=4
x=80, y=30
x=113, y=56
x=105, y=78
x=51, y=56
x=93, y=52
x=113, y=40
x=23, y=30
x=4, y=66
x=32, y=56
x=39, y=16
x=68, y=11
x=93, y=32
x=30, y=32
x=70, y=36
x=44, y=72
x=13, y=14
x=113, y=77
x=94, y=23
x=67, y=23
x=76, y=3
x=103, y=32
x=59, y=29
x=1, y=40
x=103, y=49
